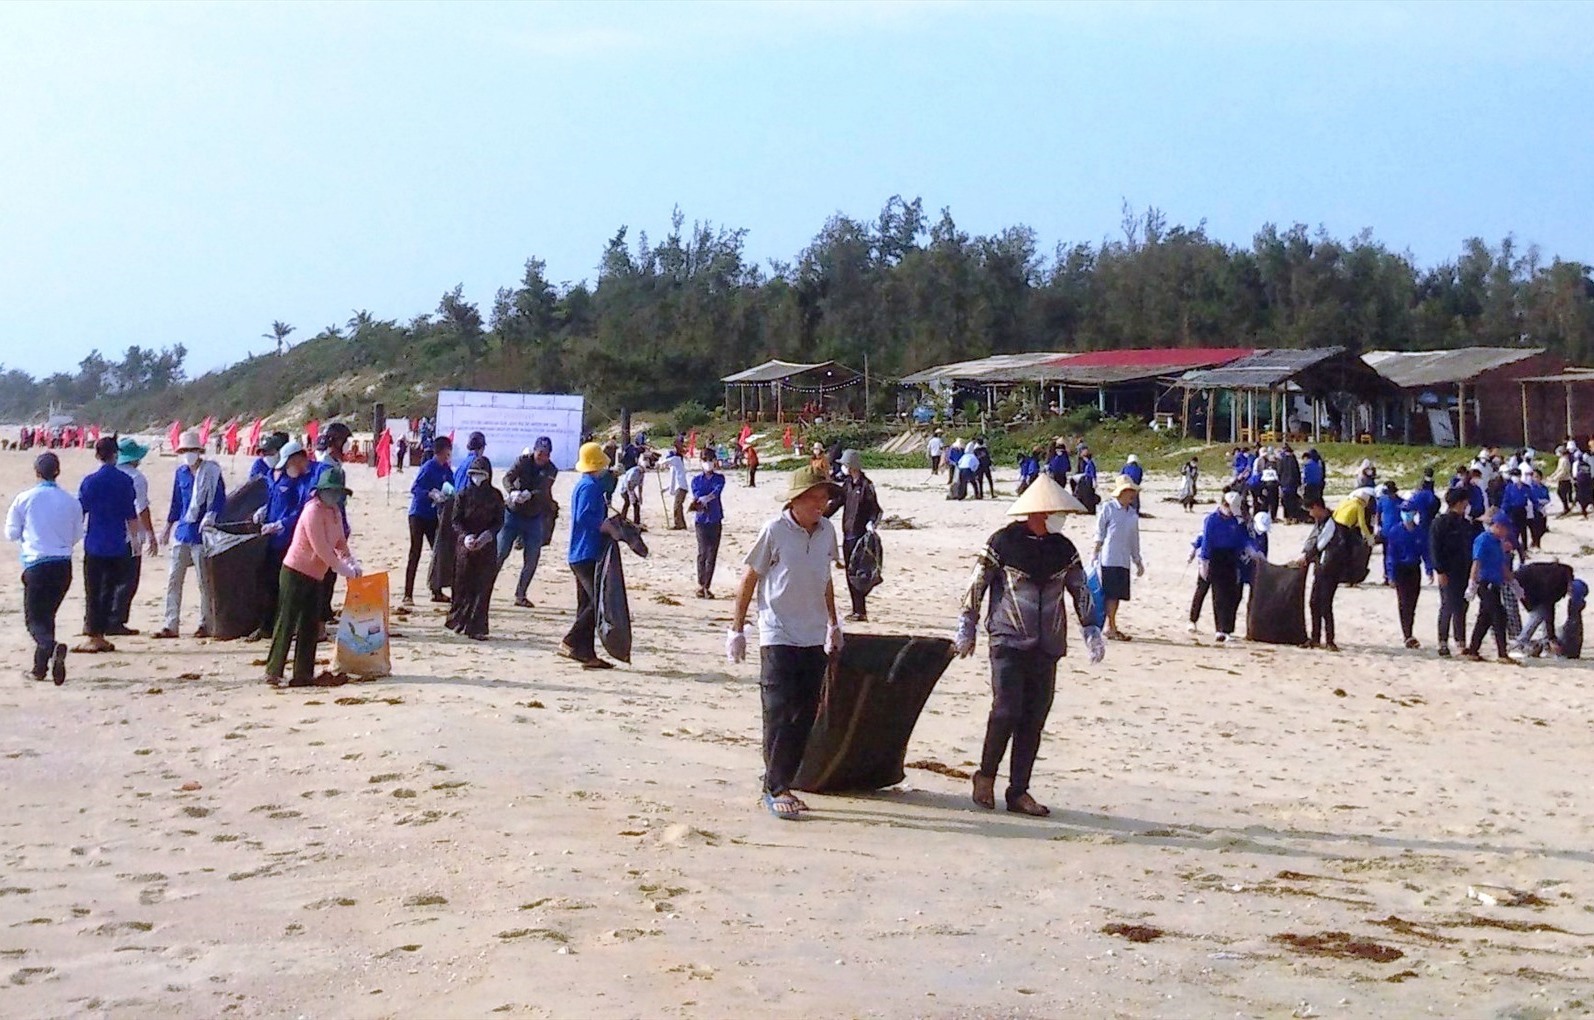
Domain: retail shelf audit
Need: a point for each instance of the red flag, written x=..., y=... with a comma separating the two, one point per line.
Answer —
x=204, y=431
x=231, y=437
x=254, y=435
x=174, y=435
x=691, y=443
x=786, y=439
x=384, y=454
x=95, y=437
x=312, y=432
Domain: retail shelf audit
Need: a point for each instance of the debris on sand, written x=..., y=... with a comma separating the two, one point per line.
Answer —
x=1339, y=945
x=1134, y=932
x=930, y=765
x=892, y=522
x=1503, y=896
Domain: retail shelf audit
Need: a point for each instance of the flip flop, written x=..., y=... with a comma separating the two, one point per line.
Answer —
x=782, y=807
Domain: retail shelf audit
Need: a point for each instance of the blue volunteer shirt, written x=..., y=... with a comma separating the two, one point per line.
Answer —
x=317, y=467
x=1407, y=546
x=1489, y=556
x=1389, y=512
x=462, y=473
x=107, y=500
x=1135, y=472
x=182, y=492
x=710, y=485
x=1426, y=503
x=1312, y=472
x=1059, y=465
x=588, y=508
x=1223, y=533
x=261, y=468
x=1515, y=497
x=432, y=475
x=1087, y=467
x=285, y=501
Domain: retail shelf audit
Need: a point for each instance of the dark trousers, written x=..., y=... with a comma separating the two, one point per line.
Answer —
x=984, y=482
x=1311, y=491
x=101, y=575
x=1563, y=490
x=1022, y=686
x=583, y=632
x=1324, y=585
x=1491, y=616
x=1519, y=529
x=678, y=517
x=1408, y=585
x=422, y=530
x=1223, y=573
x=328, y=583
x=790, y=681
x=1202, y=587
x=708, y=552
x=1292, y=504
x=752, y=476
x=271, y=585
x=122, y=601
x=298, y=623
x=860, y=597
x=44, y=585
x=935, y=464
x=1453, y=609
x=631, y=506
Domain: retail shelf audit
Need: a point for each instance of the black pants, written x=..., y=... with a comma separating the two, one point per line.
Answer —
x=122, y=601
x=1519, y=529
x=101, y=575
x=1408, y=585
x=1491, y=616
x=631, y=506
x=581, y=637
x=1324, y=585
x=1202, y=587
x=1563, y=489
x=790, y=681
x=752, y=476
x=422, y=530
x=1310, y=492
x=1453, y=609
x=298, y=623
x=1223, y=573
x=984, y=481
x=708, y=552
x=1022, y=686
x=935, y=463
x=271, y=586
x=860, y=598
x=1292, y=504
x=44, y=585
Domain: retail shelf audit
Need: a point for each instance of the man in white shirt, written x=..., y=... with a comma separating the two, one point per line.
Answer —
x=934, y=448
x=789, y=570
x=48, y=523
x=140, y=538
x=1117, y=549
x=675, y=460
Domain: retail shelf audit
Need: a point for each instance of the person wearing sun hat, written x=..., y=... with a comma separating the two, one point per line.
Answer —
x=266, y=464
x=789, y=573
x=198, y=495
x=588, y=508
x=1029, y=569
x=1118, y=548
x=130, y=453
x=319, y=544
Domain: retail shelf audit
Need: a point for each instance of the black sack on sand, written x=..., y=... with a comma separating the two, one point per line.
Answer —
x=1276, y=614
x=873, y=696
x=865, y=565
x=242, y=504
x=235, y=556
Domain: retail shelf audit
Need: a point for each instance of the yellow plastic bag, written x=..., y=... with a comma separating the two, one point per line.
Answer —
x=362, y=642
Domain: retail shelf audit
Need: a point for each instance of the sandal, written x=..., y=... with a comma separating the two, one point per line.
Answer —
x=1117, y=635
x=985, y=791
x=1024, y=804
x=783, y=807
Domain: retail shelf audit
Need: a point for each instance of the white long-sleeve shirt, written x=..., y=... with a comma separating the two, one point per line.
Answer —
x=48, y=522
x=1117, y=535
x=677, y=465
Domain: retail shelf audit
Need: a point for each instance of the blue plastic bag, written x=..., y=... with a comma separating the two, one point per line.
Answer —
x=1096, y=615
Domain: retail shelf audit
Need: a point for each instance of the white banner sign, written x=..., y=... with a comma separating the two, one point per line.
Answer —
x=512, y=422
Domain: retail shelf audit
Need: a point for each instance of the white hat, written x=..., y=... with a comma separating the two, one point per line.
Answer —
x=1045, y=496
x=189, y=440
x=1364, y=494
x=1262, y=522
x=1133, y=459
x=286, y=452
x=1233, y=500
x=1367, y=462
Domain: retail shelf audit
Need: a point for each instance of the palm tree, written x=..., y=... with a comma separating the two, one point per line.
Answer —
x=361, y=321
x=279, y=333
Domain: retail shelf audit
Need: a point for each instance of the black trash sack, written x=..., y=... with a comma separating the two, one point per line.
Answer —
x=440, y=572
x=241, y=505
x=865, y=565
x=1276, y=614
x=234, y=557
x=613, y=608
x=1358, y=559
x=874, y=693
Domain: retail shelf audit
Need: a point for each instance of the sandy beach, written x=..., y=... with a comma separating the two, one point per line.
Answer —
x=493, y=831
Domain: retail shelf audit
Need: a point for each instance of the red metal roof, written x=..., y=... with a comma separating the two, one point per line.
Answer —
x=1171, y=358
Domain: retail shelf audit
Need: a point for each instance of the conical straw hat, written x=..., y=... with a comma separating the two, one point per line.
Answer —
x=1045, y=496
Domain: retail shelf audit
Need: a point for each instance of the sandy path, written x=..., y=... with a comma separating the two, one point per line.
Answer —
x=493, y=831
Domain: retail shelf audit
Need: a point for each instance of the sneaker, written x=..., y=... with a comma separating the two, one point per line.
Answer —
x=1412, y=642
x=1220, y=637
x=58, y=665
x=408, y=600
x=1444, y=651
x=1191, y=628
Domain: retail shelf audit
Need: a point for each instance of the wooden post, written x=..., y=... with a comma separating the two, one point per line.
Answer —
x=1317, y=420
x=1212, y=412
x=1184, y=415
x=1234, y=416
x=1461, y=416
x=1101, y=399
x=1525, y=441
x=1569, y=409
x=1408, y=408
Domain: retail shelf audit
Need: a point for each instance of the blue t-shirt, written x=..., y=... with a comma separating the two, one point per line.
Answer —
x=261, y=468
x=1222, y=532
x=285, y=501
x=431, y=476
x=1028, y=468
x=1087, y=467
x=1135, y=472
x=1406, y=545
x=1312, y=472
x=713, y=511
x=107, y=500
x=1426, y=503
x=1389, y=512
x=1059, y=465
x=460, y=473
x=588, y=508
x=1515, y=497
x=1489, y=555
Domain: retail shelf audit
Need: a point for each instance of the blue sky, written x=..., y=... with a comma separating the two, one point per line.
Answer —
x=188, y=173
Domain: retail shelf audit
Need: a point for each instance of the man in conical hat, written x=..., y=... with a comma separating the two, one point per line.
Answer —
x=1027, y=567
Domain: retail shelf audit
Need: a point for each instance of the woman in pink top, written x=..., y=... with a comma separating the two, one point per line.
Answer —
x=318, y=546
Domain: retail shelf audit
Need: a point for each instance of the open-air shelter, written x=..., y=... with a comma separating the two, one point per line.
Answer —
x=780, y=388
x=1478, y=385
x=1551, y=401
x=1268, y=382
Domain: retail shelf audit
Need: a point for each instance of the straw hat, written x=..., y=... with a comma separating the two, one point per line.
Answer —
x=1123, y=485
x=805, y=478
x=189, y=440
x=591, y=458
x=1045, y=496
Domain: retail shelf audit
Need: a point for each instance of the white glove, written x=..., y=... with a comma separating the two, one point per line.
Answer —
x=833, y=638
x=436, y=496
x=1096, y=643
x=1206, y=570
x=273, y=528
x=869, y=527
x=1191, y=557
x=963, y=638
x=260, y=516
x=1472, y=591
x=208, y=521
x=736, y=645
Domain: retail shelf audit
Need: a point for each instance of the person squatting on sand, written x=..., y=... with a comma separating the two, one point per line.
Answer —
x=788, y=571
x=48, y=524
x=1027, y=568
x=319, y=544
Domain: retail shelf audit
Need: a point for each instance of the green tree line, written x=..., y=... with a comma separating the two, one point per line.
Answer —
x=665, y=319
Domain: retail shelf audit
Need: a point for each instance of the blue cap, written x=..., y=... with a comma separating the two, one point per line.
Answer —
x=1579, y=591
x=1501, y=518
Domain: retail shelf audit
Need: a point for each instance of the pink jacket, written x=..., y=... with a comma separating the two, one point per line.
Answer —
x=318, y=544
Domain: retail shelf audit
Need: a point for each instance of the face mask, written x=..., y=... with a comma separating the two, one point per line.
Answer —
x=191, y=458
x=477, y=479
x=1054, y=524
x=330, y=498
x=1408, y=518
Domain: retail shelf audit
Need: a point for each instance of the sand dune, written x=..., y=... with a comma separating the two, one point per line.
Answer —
x=493, y=831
